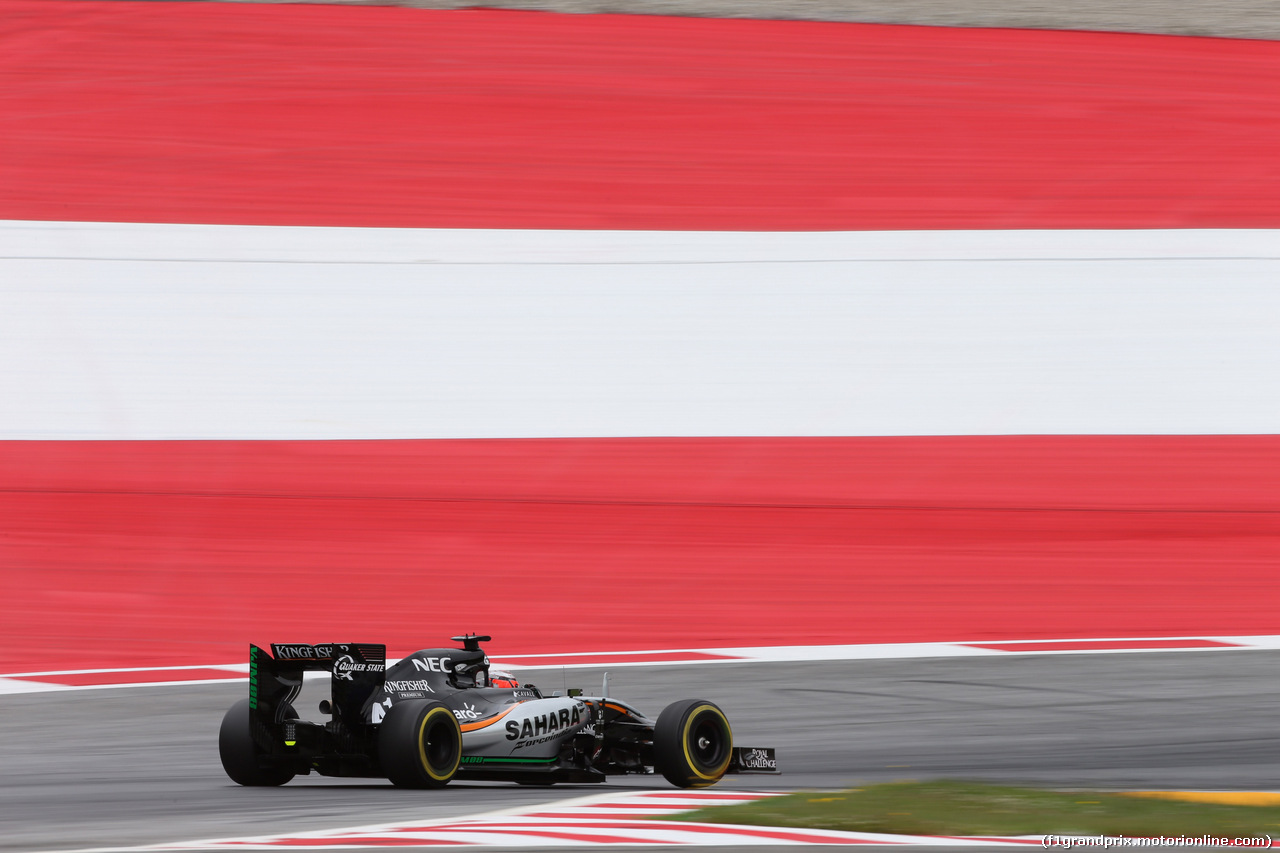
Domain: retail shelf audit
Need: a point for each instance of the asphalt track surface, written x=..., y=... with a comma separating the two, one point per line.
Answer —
x=132, y=766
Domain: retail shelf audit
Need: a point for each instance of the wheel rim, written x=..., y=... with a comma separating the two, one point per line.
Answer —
x=707, y=743
x=437, y=745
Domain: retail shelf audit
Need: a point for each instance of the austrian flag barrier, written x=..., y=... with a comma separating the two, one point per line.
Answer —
x=725, y=302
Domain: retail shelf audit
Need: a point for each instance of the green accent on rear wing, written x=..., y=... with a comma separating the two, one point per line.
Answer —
x=253, y=680
x=254, y=654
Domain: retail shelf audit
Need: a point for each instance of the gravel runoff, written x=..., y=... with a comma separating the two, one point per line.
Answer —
x=1255, y=19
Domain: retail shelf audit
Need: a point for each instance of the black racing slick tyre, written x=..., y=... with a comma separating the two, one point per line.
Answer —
x=240, y=756
x=419, y=744
x=692, y=743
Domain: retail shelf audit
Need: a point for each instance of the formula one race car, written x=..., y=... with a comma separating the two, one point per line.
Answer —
x=441, y=714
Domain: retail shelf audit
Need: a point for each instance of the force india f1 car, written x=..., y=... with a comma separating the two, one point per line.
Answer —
x=437, y=715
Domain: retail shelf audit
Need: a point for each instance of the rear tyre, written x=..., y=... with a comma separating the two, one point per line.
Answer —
x=692, y=743
x=240, y=756
x=419, y=744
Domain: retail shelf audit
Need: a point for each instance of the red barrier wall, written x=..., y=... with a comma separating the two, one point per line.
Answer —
x=307, y=115
x=158, y=553
x=138, y=553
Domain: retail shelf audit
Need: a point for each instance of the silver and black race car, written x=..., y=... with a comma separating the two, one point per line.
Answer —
x=440, y=714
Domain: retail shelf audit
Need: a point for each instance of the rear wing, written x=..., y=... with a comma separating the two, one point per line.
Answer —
x=275, y=677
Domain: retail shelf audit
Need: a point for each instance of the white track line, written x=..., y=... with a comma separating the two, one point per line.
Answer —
x=169, y=676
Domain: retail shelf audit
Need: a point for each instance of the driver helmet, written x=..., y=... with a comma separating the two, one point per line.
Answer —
x=502, y=678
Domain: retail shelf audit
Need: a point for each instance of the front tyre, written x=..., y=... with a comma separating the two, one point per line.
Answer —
x=692, y=743
x=240, y=757
x=419, y=744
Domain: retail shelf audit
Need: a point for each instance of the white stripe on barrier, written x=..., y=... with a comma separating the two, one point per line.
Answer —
x=116, y=331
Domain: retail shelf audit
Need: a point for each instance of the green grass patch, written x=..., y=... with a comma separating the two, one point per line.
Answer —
x=972, y=808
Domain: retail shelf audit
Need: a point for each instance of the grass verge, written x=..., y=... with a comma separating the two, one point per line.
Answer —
x=972, y=808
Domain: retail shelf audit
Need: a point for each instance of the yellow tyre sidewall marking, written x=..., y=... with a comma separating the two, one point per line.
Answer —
x=422, y=745
x=684, y=741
